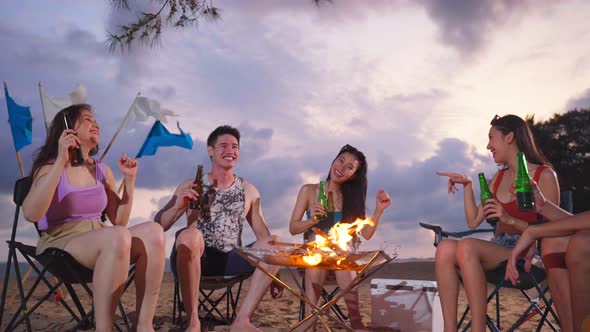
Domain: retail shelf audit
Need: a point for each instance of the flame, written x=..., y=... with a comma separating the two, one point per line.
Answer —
x=339, y=237
x=342, y=233
x=312, y=259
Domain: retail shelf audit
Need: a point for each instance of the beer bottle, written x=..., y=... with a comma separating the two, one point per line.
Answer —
x=322, y=199
x=74, y=154
x=194, y=203
x=330, y=203
x=485, y=195
x=524, y=191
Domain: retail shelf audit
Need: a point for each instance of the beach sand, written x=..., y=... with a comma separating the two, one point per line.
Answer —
x=271, y=315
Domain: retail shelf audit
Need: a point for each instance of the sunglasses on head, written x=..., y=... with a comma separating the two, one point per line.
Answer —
x=495, y=119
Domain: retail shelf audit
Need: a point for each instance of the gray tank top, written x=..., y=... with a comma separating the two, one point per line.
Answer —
x=223, y=229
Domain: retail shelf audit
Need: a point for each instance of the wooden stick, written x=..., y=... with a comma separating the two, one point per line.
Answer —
x=120, y=127
x=43, y=108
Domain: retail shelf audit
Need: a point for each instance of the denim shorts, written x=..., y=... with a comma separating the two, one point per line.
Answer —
x=505, y=240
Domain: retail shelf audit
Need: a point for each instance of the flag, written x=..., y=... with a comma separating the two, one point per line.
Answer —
x=160, y=136
x=144, y=107
x=52, y=105
x=21, y=122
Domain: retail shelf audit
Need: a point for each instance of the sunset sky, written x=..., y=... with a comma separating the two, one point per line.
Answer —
x=413, y=84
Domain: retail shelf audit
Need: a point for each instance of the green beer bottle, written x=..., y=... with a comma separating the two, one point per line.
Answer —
x=524, y=191
x=322, y=199
x=485, y=195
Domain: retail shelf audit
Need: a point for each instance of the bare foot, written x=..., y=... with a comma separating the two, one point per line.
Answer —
x=194, y=325
x=244, y=325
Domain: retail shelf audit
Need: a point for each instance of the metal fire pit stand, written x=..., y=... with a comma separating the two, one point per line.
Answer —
x=376, y=262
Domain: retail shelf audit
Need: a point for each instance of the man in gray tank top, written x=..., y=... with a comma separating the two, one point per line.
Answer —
x=205, y=246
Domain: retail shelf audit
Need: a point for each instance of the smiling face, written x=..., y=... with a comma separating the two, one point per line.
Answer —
x=344, y=167
x=87, y=129
x=225, y=152
x=500, y=145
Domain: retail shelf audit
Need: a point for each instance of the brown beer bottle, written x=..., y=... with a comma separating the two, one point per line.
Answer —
x=75, y=154
x=330, y=205
x=196, y=204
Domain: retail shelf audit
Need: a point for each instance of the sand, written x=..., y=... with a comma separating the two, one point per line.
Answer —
x=271, y=315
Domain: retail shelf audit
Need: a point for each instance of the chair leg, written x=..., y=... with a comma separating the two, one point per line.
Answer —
x=498, y=310
x=21, y=293
x=5, y=283
x=234, y=302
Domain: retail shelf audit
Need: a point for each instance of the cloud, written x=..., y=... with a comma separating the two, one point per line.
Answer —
x=582, y=101
x=469, y=25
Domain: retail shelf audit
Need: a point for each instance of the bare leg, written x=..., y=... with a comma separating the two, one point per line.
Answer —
x=258, y=286
x=558, y=280
x=147, y=252
x=190, y=247
x=351, y=298
x=314, y=281
x=474, y=257
x=445, y=263
x=578, y=265
x=106, y=251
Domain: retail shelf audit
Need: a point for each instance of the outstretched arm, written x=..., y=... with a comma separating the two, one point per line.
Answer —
x=473, y=213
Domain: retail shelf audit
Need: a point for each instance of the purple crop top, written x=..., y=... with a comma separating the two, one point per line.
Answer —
x=72, y=204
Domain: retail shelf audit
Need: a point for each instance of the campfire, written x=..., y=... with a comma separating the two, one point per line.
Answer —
x=336, y=244
x=335, y=250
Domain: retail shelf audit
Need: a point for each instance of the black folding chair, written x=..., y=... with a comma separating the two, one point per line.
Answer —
x=528, y=280
x=56, y=262
x=215, y=291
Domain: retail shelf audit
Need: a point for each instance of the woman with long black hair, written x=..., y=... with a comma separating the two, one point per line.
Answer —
x=347, y=182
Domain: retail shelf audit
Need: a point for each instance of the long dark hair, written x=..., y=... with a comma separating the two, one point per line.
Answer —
x=523, y=136
x=354, y=190
x=48, y=152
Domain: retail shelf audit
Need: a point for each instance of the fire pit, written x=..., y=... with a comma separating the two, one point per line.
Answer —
x=332, y=251
x=297, y=254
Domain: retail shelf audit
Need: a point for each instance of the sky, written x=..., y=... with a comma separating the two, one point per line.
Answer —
x=412, y=84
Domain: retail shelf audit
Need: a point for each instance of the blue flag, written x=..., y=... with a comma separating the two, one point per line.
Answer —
x=160, y=136
x=21, y=122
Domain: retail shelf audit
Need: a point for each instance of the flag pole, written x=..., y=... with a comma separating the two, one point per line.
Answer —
x=120, y=127
x=43, y=108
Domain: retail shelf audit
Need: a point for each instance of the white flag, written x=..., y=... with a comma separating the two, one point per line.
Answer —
x=52, y=105
x=144, y=107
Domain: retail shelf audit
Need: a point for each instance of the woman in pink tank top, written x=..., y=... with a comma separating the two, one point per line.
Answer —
x=507, y=136
x=68, y=201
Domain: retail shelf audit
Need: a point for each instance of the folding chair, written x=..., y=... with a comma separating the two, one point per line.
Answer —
x=326, y=297
x=528, y=280
x=56, y=262
x=210, y=299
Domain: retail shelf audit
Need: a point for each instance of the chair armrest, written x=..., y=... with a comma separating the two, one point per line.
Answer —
x=439, y=233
